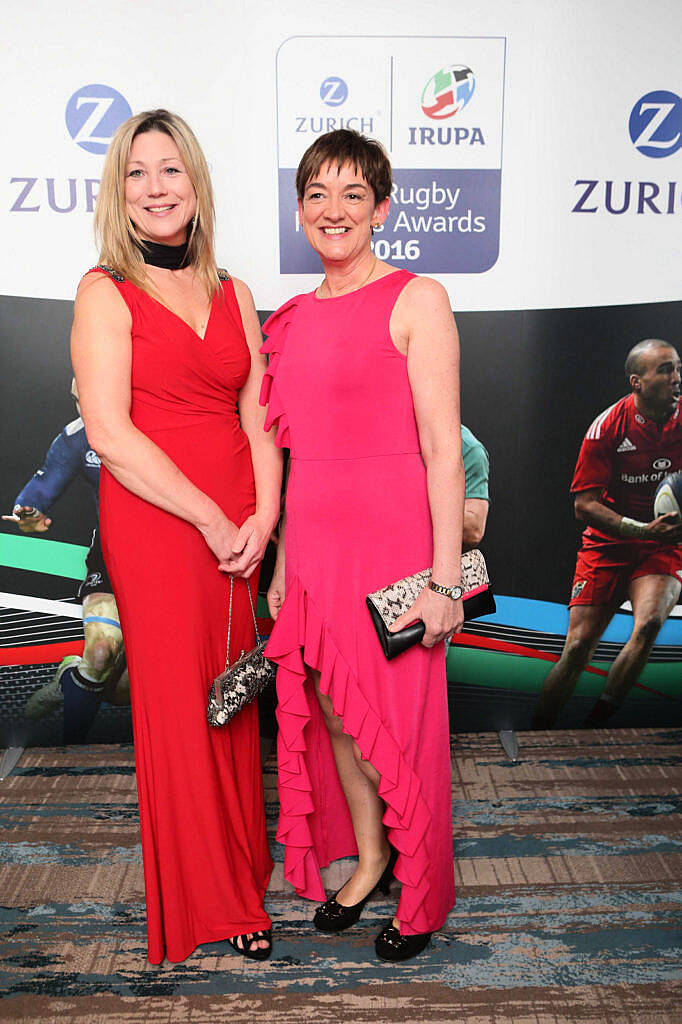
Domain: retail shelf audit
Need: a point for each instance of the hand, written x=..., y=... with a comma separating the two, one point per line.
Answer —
x=441, y=616
x=248, y=547
x=220, y=536
x=28, y=519
x=276, y=589
x=666, y=529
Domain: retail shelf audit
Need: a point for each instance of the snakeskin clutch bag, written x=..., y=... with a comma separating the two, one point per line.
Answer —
x=387, y=604
x=241, y=682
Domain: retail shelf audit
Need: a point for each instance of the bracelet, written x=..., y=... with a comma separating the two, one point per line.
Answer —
x=632, y=528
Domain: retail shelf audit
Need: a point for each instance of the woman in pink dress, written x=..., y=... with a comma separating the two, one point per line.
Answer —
x=363, y=385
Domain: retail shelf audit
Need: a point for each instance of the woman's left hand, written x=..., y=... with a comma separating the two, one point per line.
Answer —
x=249, y=546
x=441, y=616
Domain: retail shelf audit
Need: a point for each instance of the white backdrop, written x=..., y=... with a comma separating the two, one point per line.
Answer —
x=573, y=73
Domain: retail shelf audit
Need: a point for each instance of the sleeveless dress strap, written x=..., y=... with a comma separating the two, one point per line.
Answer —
x=113, y=274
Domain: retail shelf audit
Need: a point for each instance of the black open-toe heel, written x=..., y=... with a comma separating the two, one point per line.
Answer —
x=391, y=945
x=245, y=948
x=334, y=917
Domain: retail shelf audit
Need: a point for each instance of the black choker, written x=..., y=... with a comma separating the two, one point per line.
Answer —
x=170, y=257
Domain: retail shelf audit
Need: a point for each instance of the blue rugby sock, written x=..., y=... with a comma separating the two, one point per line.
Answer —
x=81, y=704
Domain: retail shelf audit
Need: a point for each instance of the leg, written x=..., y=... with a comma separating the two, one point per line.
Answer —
x=586, y=624
x=79, y=682
x=83, y=685
x=360, y=782
x=653, y=598
x=117, y=689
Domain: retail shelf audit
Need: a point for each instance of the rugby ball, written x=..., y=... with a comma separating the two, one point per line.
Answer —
x=668, y=497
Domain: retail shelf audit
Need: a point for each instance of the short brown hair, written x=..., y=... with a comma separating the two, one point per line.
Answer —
x=345, y=146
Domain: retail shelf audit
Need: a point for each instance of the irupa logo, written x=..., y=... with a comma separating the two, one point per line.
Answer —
x=448, y=91
x=444, y=95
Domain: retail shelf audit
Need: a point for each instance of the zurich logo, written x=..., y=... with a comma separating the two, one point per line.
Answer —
x=93, y=114
x=333, y=91
x=448, y=91
x=656, y=123
x=662, y=464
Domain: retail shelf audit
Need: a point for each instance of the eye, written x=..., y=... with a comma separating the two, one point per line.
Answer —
x=135, y=173
x=173, y=170
x=314, y=195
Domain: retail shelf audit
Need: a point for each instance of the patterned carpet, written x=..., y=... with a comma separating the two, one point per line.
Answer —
x=569, y=873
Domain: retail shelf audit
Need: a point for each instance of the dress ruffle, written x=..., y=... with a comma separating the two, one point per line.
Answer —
x=276, y=327
x=301, y=637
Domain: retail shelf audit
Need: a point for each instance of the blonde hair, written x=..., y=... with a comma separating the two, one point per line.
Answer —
x=117, y=236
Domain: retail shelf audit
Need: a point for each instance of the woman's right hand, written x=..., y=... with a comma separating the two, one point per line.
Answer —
x=276, y=589
x=220, y=535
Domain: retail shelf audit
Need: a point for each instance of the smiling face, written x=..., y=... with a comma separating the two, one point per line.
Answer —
x=337, y=214
x=159, y=195
x=657, y=385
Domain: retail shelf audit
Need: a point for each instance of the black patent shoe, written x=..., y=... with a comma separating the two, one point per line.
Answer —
x=334, y=917
x=391, y=945
x=250, y=937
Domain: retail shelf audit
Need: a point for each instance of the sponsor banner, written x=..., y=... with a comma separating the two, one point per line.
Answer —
x=436, y=104
x=566, y=175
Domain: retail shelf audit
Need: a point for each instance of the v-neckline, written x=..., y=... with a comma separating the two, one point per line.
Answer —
x=201, y=337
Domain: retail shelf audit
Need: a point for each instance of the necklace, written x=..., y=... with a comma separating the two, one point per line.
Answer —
x=326, y=282
x=170, y=257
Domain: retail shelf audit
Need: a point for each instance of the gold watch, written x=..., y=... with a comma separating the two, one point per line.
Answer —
x=452, y=592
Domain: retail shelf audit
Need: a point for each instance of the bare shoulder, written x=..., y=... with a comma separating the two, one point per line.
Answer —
x=97, y=295
x=423, y=311
x=242, y=291
x=247, y=306
x=424, y=293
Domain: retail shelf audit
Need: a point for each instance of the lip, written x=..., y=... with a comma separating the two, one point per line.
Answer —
x=334, y=230
x=160, y=211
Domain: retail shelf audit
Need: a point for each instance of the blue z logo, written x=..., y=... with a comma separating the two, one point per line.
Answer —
x=93, y=114
x=333, y=91
x=656, y=123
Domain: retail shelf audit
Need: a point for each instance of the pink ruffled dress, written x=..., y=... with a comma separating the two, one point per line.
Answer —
x=357, y=519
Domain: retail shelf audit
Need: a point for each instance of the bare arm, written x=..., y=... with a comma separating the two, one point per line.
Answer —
x=433, y=370
x=101, y=351
x=590, y=509
x=249, y=546
x=475, y=517
x=276, y=590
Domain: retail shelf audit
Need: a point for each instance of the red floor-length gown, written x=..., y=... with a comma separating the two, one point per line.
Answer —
x=204, y=847
x=358, y=519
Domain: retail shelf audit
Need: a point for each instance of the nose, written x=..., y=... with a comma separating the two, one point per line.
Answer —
x=334, y=209
x=155, y=184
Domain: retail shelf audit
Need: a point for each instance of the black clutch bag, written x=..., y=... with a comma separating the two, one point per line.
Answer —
x=387, y=604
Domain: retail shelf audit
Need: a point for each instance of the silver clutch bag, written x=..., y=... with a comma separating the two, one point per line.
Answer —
x=241, y=682
x=387, y=604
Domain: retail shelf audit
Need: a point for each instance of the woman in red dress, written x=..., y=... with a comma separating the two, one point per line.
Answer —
x=165, y=352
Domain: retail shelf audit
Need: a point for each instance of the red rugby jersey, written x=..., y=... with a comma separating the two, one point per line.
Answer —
x=627, y=455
